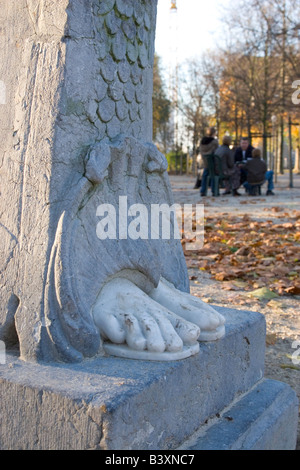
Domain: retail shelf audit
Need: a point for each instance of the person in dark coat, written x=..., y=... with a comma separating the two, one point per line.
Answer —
x=208, y=146
x=244, y=151
x=257, y=173
x=229, y=169
x=256, y=168
x=242, y=154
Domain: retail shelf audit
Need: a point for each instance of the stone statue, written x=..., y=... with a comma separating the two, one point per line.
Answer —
x=81, y=121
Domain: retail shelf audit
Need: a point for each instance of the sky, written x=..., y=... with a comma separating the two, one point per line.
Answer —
x=199, y=27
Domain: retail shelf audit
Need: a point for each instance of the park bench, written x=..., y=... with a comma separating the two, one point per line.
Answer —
x=255, y=188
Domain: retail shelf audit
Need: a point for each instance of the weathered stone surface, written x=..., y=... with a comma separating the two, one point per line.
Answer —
x=106, y=109
x=125, y=7
x=30, y=69
x=115, y=91
x=61, y=75
x=105, y=7
x=121, y=109
x=265, y=418
x=124, y=71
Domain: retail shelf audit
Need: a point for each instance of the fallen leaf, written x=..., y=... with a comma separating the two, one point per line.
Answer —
x=289, y=366
x=263, y=294
x=276, y=304
x=210, y=257
x=243, y=251
x=258, y=284
x=228, y=285
x=208, y=300
x=240, y=284
x=220, y=276
x=293, y=290
x=271, y=339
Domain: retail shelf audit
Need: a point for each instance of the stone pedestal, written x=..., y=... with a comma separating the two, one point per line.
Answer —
x=217, y=399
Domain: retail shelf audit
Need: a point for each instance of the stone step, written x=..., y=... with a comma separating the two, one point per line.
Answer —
x=121, y=404
x=265, y=418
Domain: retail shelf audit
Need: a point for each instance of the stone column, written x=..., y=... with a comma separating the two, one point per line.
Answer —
x=77, y=80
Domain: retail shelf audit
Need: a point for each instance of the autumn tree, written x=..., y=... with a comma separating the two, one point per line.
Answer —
x=245, y=88
x=265, y=43
x=161, y=109
x=192, y=93
x=212, y=70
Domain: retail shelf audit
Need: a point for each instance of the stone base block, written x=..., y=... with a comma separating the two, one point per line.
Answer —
x=111, y=403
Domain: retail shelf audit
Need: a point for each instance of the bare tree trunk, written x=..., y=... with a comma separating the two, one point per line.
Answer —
x=281, y=161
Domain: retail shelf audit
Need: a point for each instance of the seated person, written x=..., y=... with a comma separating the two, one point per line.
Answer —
x=229, y=169
x=244, y=151
x=242, y=154
x=257, y=174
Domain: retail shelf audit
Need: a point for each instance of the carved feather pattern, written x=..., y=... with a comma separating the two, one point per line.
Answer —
x=125, y=54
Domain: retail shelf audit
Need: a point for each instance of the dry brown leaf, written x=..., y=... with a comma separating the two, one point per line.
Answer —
x=293, y=290
x=271, y=339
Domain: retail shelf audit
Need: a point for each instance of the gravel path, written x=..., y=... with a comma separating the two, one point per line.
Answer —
x=282, y=314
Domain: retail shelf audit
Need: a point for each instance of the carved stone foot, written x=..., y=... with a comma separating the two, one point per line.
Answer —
x=134, y=325
x=192, y=309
